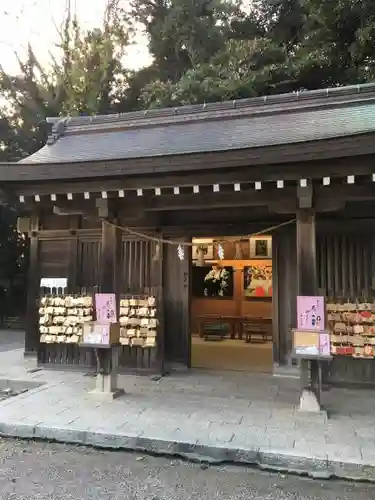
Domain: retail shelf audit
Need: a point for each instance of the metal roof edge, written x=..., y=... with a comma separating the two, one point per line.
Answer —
x=297, y=100
x=248, y=112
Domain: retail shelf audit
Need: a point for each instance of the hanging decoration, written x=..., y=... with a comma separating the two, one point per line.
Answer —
x=189, y=244
x=180, y=252
x=220, y=251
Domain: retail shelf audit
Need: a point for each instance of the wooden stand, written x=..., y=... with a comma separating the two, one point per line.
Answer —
x=106, y=379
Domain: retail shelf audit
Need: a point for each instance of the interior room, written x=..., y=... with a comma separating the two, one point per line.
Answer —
x=231, y=304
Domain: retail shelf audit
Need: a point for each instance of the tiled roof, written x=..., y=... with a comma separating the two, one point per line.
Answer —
x=279, y=120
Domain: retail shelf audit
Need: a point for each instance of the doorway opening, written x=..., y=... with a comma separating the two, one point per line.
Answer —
x=231, y=304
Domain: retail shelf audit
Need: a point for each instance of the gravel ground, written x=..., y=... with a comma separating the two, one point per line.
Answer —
x=52, y=471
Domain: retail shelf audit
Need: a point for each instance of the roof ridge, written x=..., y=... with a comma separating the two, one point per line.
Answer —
x=292, y=97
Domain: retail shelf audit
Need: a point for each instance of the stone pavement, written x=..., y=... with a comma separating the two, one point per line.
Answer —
x=210, y=417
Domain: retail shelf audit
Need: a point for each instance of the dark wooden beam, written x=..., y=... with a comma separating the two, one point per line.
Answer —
x=110, y=250
x=306, y=253
x=211, y=201
x=73, y=254
x=307, y=283
x=33, y=283
x=226, y=174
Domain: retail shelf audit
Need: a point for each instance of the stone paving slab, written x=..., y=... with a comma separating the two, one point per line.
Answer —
x=206, y=417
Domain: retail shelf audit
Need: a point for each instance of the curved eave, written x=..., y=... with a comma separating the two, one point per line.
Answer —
x=356, y=145
x=213, y=136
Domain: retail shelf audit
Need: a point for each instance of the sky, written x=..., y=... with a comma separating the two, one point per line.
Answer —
x=35, y=21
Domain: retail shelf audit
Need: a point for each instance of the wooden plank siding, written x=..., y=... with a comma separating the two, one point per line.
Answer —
x=345, y=264
x=138, y=278
x=138, y=275
x=57, y=260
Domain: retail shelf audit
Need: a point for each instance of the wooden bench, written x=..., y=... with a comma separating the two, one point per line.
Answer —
x=257, y=329
x=231, y=325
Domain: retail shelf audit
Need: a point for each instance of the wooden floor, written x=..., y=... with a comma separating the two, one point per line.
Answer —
x=231, y=354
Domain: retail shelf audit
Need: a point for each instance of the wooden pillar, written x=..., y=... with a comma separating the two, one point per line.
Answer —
x=73, y=254
x=176, y=299
x=109, y=261
x=32, y=329
x=306, y=253
x=110, y=247
x=307, y=283
x=284, y=298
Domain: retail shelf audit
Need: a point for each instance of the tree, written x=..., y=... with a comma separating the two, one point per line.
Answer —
x=183, y=34
x=246, y=68
x=88, y=79
x=337, y=49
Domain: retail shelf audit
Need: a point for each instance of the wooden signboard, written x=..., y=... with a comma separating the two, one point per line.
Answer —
x=97, y=334
x=311, y=344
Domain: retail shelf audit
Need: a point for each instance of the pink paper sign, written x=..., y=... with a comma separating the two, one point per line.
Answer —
x=105, y=306
x=310, y=313
x=324, y=344
x=102, y=333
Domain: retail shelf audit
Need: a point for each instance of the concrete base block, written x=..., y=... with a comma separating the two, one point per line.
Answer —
x=107, y=395
x=106, y=387
x=308, y=402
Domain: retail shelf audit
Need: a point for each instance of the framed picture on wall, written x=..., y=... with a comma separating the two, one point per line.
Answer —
x=206, y=245
x=260, y=247
x=212, y=281
x=258, y=281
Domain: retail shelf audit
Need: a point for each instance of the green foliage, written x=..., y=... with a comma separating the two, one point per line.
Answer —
x=276, y=46
x=88, y=79
x=184, y=33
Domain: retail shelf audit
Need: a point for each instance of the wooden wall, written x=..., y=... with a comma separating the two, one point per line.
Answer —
x=77, y=254
x=345, y=266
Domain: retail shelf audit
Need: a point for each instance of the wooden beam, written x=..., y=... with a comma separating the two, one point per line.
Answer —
x=73, y=254
x=307, y=284
x=211, y=201
x=306, y=253
x=305, y=196
x=110, y=252
x=243, y=173
x=32, y=326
